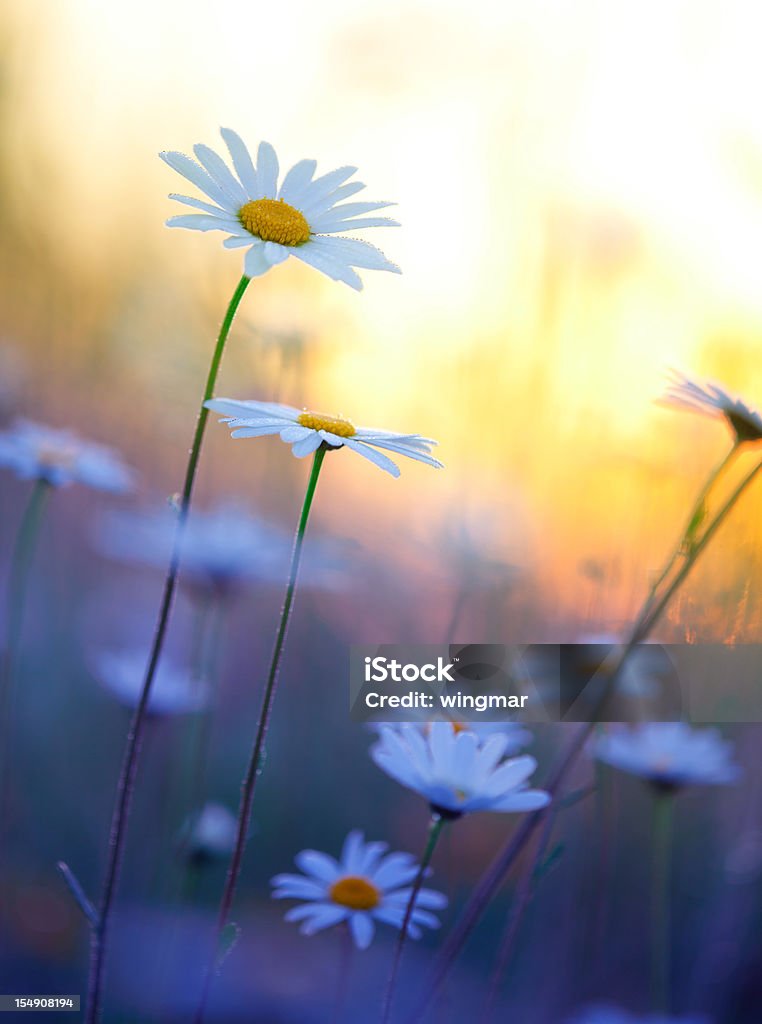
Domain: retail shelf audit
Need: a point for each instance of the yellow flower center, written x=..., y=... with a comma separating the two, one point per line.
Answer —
x=334, y=425
x=355, y=892
x=273, y=220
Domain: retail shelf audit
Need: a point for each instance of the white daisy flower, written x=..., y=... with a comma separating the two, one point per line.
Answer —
x=517, y=736
x=60, y=458
x=221, y=547
x=456, y=771
x=211, y=833
x=300, y=218
x=669, y=754
x=712, y=400
x=174, y=691
x=365, y=885
x=307, y=431
x=613, y=1015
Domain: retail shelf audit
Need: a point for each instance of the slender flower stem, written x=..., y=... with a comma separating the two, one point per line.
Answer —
x=660, y=901
x=435, y=830
x=252, y=773
x=126, y=784
x=23, y=553
x=493, y=877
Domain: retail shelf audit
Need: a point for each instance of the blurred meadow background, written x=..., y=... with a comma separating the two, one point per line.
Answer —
x=580, y=193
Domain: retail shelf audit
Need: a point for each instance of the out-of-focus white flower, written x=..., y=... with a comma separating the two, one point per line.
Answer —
x=517, y=736
x=307, y=431
x=59, y=458
x=613, y=1015
x=211, y=833
x=456, y=772
x=669, y=754
x=300, y=218
x=712, y=400
x=365, y=885
x=174, y=691
x=220, y=548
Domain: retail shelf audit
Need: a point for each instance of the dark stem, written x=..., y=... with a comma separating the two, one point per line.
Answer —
x=435, y=830
x=125, y=787
x=252, y=773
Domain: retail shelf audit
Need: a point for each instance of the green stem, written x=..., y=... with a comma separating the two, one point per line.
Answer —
x=26, y=541
x=493, y=877
x=660, y=902
x=435, y=830
x=126, y=784
x=252, y=773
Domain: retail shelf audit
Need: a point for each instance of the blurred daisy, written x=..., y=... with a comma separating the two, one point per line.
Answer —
x=365, y=885
x=456, y=771
x=613, y=1015
x=210, y=834
x=59, y=458
x=174, y=692
x=516, y=735
x=712, y=400
x=669, y=754
x=301, y=217
x=221, y=547
x=307, y=431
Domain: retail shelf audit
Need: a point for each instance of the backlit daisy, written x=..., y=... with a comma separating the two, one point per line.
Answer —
x=456, y=771
x=59, y=458
x=669, y=754
x=711, y=400
x=365, y=885
x=302, y=217
x=307, y=431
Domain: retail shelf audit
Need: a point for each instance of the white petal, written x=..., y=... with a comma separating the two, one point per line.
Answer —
x=410, y=453
x=296, y=181
x=362, y=928
x=267, y=171
x=326, y=184
x=317, y=864
x=357, y=253
x=336, y=270
x=307, y=445
x=199, y=204
x=190, y=169
x=199, y=222
x=373, y=456
x=237, y=241
x=255, y=263
x=275, y=253
x=217, y=169
x=242, y=161
x=315, y=207
x=254, y=431
x=327, y=227
x=295, y=433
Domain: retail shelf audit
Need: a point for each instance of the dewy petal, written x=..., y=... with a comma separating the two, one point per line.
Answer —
x=199, y=222
x=323, y=186
x=267, y=171
x=335, y=269
x=373, y=456
x=296, y=181
x=294, y=433
x=244, y=166
x=408, y=452
x=199, y=204
x=241, y=409
x=333, y=227
x=316, y=207
x=357, y=253
x=217, y=169
x=197, y=175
